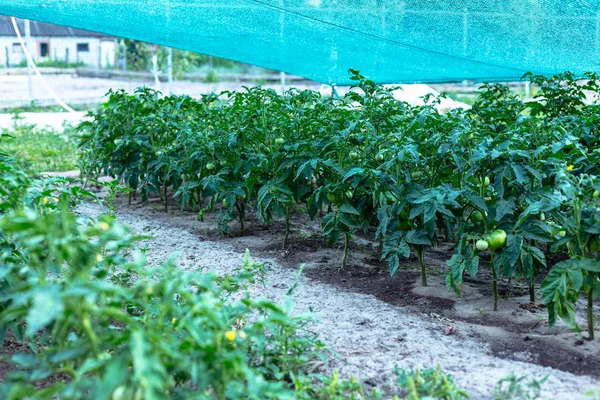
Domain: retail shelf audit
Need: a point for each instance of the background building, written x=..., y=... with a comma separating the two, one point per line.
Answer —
x=56, y=44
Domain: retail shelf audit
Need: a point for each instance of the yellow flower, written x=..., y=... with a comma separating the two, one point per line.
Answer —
x=55, y=199
x=230, y=335
x=173, y=321
x=99, y=258
x=570, y=168
x=45, y=200
x=104, y=226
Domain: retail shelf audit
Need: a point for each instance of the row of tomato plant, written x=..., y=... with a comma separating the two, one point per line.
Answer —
x=92, y=319
x=505, y=180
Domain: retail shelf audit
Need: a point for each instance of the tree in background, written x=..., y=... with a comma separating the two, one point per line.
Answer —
x=139, y=58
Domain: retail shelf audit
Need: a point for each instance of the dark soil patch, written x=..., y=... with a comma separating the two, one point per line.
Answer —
x=548, y=355
x=9, y=348
x=300, y=246
x=396, y=290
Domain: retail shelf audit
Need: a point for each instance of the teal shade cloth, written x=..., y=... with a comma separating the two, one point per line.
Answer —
x=390, y=41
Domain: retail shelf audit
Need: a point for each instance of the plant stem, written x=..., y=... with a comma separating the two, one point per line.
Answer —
x=531, y=290
x=240, y=216
x=494, y=283
x=421, y=253
x=199, y=195
x=590, y=313
x=166, y=198
x=160, y=192
x=287, y=227
x=346, y=244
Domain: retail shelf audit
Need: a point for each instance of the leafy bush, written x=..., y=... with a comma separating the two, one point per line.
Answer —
x=211, y=77
x=175, y=333
x=100, y=322
x=498, y=180
x=40, y=150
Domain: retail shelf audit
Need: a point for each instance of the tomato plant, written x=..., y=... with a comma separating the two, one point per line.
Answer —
x=487, y=180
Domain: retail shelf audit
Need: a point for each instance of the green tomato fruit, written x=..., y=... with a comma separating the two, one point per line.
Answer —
x=486, y=181
x=562, y=233
x=402, y=226
x=596, y=194
x=331, y=197
x=279, y=141
x=379, y=157
x=353, y=155
x=481, y=245
x=210, y=166
x=223, y=163
x=416, y=175
x=349, y=194
x=404, y=213
x=476, y=216
x=497, y=239
x=225, y=204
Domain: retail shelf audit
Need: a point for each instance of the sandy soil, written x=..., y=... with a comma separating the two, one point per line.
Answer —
x=373, y=322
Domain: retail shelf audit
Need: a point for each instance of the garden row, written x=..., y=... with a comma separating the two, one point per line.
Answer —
x=91, y=319
x=506, y=179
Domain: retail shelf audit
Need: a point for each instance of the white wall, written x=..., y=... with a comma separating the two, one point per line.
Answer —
x=15, y=57
x=107, y=53
x=100, y=54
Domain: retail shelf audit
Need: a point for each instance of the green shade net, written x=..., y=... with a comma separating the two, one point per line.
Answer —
x=390, y=41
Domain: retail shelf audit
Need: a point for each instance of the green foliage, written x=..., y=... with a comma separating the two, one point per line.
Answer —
x=52, y=64
x=429, y=384
x=211, y=77
x=139, y=58
x=332, y=388
x=579, y=219
x=407, y=175
x=178, y=334
x=164, y=327
x=518, y=388
x=40, y=150
x=102, y=323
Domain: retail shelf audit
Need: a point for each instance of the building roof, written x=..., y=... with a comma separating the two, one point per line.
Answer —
x=44, y=29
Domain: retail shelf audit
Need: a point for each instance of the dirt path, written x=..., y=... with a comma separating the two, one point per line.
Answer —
x=371, y=336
